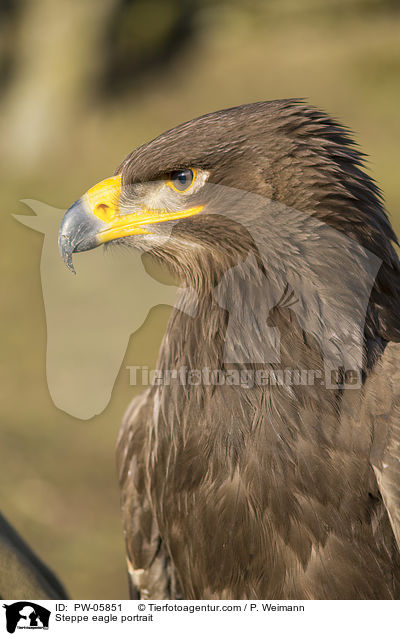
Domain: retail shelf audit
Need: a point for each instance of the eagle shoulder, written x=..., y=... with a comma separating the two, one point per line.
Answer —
x=382, y=406
x=150, y=569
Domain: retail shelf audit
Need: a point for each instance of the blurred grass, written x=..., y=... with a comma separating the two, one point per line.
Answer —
x=58, y=482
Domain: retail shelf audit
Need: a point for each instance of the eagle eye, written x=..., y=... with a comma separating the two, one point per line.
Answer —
x=182, y=180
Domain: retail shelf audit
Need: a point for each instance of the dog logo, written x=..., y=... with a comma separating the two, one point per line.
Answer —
x=26, y=615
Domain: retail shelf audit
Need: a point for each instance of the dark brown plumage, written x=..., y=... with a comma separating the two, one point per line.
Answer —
x=274, y=491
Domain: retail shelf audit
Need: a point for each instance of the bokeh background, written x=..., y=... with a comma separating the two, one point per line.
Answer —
x=82, y=83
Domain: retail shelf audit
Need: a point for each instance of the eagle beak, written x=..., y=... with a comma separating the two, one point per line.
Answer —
x=93, y=219
x=78, y=231
x=96, y=218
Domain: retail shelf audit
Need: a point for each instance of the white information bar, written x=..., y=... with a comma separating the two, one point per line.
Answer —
x=321, y=618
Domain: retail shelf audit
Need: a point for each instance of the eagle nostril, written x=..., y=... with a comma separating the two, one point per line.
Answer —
x=104, y=212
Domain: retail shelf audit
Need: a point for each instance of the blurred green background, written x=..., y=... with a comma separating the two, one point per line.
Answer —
x=81, y=84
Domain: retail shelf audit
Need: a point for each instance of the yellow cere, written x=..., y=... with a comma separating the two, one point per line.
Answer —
x=103, y=200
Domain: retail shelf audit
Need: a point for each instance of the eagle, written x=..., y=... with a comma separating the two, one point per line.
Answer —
x=278, y=475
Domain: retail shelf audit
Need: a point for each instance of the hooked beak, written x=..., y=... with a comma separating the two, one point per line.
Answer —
x=78, y=232
x=95, y=219
x=92, y=220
